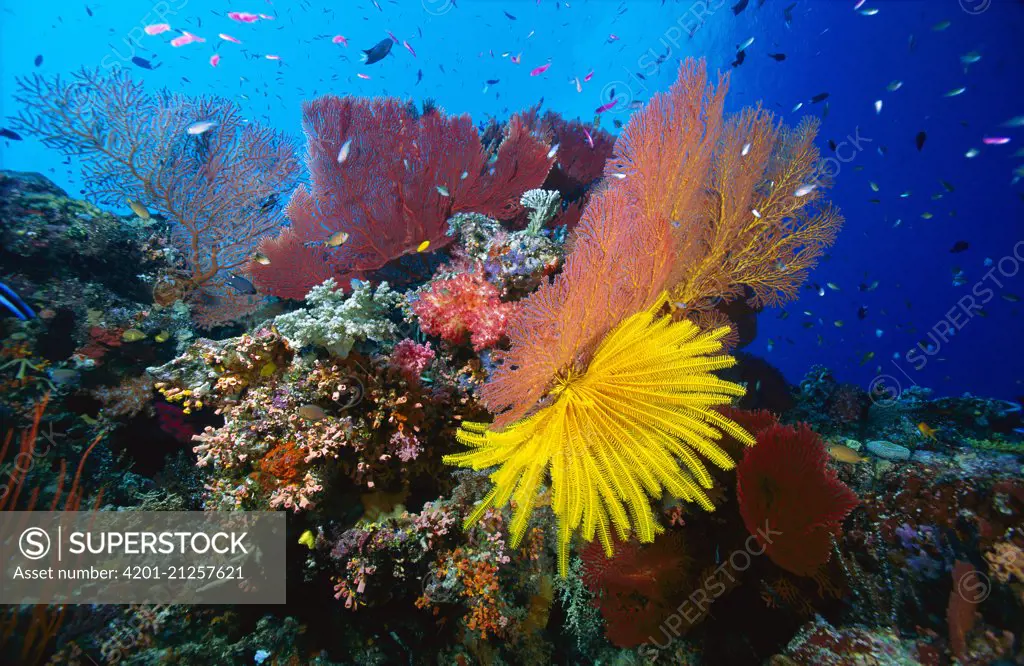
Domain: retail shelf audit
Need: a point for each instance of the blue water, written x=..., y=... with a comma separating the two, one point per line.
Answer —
x=829, y=47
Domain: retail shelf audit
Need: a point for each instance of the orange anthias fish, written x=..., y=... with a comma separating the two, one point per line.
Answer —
x=845, y=454
x=926, y=430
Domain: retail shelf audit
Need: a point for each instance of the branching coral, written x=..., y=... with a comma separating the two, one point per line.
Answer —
x=218, y=186
x=613, y=433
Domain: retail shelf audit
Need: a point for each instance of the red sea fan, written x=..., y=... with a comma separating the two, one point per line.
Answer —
x=390, y=179
x=790, y=499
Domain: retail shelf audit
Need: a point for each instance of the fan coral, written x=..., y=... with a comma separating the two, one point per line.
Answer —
x=613, y=433
x=785, y=482
x=218, y=187
x=462, y=306
x=402, y=177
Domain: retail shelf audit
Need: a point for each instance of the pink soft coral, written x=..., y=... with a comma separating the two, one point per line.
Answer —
x=465, y=305
x=411, y=359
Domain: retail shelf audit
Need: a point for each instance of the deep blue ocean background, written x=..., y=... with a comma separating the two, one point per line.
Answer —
x=829, y=46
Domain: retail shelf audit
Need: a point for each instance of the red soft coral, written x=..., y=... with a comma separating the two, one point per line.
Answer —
x=790, y=499
x=465, y=305
x=411, y=359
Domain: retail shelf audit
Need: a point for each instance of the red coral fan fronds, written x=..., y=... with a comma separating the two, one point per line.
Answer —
x=753, y=421
x=390, y=180
x=790, y=499
x=582, y=151
x=466, y=305
x=634, y=589
x=961, y=612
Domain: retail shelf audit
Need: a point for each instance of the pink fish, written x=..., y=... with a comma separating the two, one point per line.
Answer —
x=186, y=38
x=537, y=71
x=605, y=107
x=612, y=37
x=516, y=59
x=214, y=60
x=271, y=56
x=157, y=28
x=409, y=48
x=588, y=76
x=392, y=36
x=229, y=38
x=363, y=76
x=995, y=140
x=590, y=139
x=243, y=17
x=338, y=39
x=860, y=3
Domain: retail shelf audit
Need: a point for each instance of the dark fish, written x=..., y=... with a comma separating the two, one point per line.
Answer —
x=10, y=134
x=510, y=17
x=919, y=140
x=88, y=11
x=240, y=284
x=787, y=13
x=39, y=60
x=777, y=57
x=617, y=123
x=641, y=76
x=959, y=246
x=862, y=312
x=739, y=7
x=379, y=51
x=832, y=145
x=419, y=76
x=740, y=57
x=142, y=62
x=10, y=300
x=491, y=82
x=820, y=97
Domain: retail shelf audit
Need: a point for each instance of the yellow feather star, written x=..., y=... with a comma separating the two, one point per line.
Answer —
x=614, y=434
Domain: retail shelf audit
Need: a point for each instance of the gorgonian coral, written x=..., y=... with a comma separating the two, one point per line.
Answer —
x=786, y=490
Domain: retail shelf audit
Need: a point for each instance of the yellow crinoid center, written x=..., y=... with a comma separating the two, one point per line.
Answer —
x=615, y=434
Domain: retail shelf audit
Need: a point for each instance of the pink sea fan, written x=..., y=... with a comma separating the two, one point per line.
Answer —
x=411, y=359
x=464, y=306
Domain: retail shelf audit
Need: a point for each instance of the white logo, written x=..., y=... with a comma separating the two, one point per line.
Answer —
x=34, y=543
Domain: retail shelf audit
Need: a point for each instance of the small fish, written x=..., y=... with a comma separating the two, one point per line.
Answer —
x=588, y=76
x=820, y=97
x=10, y=134
x=955, y=92
x=995, y=140
x=336, y=239
x=138, y=209
x=1011, y=298
x=509, y=16
x=133, y=335
x=839, y=323
x=377, y=52
x=606, y=107
x=156, y=28
x=1016, y=121
x=739, y=7
x=363, y=76
x=271, y=56
x=843, y=453
x=553, y=151
x=799, y=105
x=186, y=38
x=941, y=25
x=590, y=139
x=874, y=186
x=240, y=284
x=307, y=539
x=740, y=57
x=443, y=191
x=243, y=17
x=422, y=247
x=343, y=153
x=879, y=332
x=959, y=246
x=201, y=127
x=946, y=185
x=926, y=430
x=919, y=140
x=464, y=175
x=409, y=48
x=894, y=85
x=142, y=62
x=214, y=60
x=832, y=285
x=878, y=106
x=537, y=71
x=777, y=57
x=492, y=82
x=746, y=150
x=162, y=336
x=312, y=413
x=862, y=314
x=229, y=38
x=804, y=190
x=787, y=14
x=871, y=11
x=340, y=39
x=970, y=57
x=745, y=45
